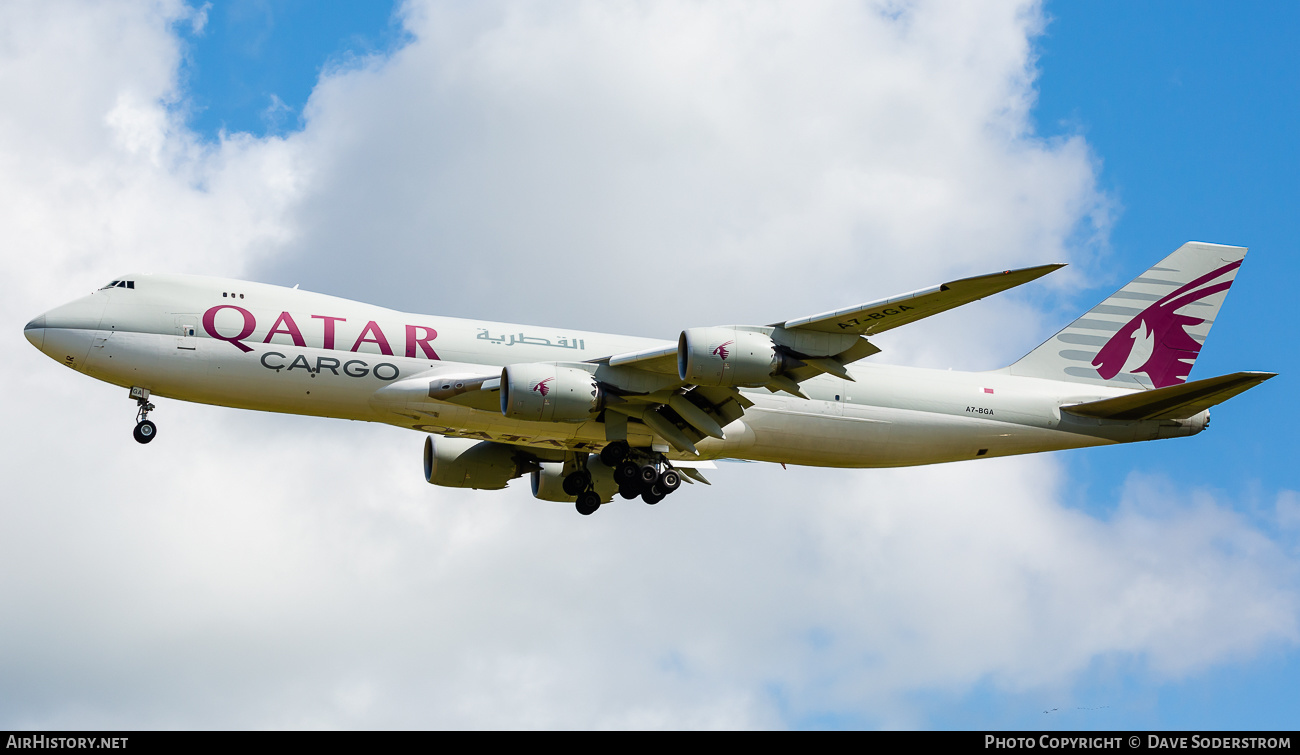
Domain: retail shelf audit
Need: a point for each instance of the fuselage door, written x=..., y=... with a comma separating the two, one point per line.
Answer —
x=186, y=328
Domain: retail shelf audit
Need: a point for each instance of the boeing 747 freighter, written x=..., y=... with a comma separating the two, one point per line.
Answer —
x=591, y=416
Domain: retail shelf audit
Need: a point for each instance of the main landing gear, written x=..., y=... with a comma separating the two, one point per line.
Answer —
x=650, y=478
x=639, y=473
x=652, y=481
x=580, y=484
x=144, y=429
x=588, y=502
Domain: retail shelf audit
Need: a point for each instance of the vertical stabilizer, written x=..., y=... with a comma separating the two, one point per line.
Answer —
x=1147, y=334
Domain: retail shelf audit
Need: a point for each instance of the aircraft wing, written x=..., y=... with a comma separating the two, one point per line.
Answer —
x=662, y=360
x=885, y=314
x=861, y=320
x=686, y=391
x=689, y=390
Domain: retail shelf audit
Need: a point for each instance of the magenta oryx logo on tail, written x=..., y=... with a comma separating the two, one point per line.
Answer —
x=542, y=387
x=722, y=352
x=1164, y=331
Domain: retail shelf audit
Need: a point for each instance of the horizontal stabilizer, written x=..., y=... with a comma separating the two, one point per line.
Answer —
x=1174, y=401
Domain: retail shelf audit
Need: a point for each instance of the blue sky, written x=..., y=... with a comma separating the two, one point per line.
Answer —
x=253, y=64
x=1193, y=110
x=466, y=143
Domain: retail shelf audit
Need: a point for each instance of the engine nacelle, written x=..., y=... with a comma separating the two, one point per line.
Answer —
x=543, y=392
x=727, y=357
x=468, y=463
x=548, y=482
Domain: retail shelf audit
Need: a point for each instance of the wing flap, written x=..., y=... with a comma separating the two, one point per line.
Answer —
x=1174, y=401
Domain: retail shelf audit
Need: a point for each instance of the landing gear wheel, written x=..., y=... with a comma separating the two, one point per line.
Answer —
x=614, y=453
x=576, y=482
x=653, y=495
x=588, y=502
x=629, y=491
x=670, y=480
x=627, y=473
x=648, y=474
x=145, y=431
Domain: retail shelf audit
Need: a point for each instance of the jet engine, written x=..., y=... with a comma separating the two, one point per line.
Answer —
x=548, y=481
x=728, y=357
x=469, y=463
x=543, y=392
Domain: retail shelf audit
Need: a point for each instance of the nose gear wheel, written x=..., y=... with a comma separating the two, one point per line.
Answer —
x=145, y=430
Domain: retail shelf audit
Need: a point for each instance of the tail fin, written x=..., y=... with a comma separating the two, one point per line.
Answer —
x=1147, y=334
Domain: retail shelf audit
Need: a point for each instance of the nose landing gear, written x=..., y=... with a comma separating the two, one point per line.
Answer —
x=145, y=430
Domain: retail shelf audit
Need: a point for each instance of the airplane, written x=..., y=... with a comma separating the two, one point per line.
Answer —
x=591, y=416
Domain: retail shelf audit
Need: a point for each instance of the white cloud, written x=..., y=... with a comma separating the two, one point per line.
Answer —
x=199, y=19
x=587, y=165
x=1288, y=509
x=748, y=163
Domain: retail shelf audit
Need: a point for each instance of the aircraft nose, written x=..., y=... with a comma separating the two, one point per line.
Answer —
x=65, y=333
x=35, y=332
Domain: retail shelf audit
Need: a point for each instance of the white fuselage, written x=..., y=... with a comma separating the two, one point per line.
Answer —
x=256, y=346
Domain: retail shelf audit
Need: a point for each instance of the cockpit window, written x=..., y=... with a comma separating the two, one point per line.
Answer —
x=120, y=284
x=114, y=283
